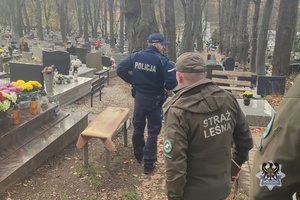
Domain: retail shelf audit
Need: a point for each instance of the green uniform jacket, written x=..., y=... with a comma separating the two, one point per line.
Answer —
x=201, y=122
x=280, y=144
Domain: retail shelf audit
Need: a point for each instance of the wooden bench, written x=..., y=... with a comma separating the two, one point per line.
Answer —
x=231, y=80
x=97, y=86
x=105, y=127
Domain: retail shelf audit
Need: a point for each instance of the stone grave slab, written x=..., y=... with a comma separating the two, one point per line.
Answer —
x=37, y=52
x=258, y=113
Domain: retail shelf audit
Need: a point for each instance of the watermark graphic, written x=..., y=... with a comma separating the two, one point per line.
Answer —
x=270, y=175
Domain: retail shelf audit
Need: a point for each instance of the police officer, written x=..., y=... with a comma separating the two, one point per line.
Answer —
x=150, y=74
x=201, y=121
x=275, y=173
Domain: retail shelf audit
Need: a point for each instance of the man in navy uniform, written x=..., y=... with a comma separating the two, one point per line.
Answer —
x=150, y=73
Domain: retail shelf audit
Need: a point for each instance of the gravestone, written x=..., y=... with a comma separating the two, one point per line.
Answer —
x=268, y=85
x=258, y=113
x=106, y=62
x=228, y=64
x=119, y=57
x=211, y=57
x=71, y=50
x=93, y=60
x=81, y=54
x=26, y=72
x=27, y=55
x=60, y=60
x=37, y=52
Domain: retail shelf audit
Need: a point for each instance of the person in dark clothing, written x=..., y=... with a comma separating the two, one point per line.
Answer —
x=275, y=172
x=201, y=122
x=150, y=73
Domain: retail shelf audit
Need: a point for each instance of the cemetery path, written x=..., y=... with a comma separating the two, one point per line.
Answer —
x=64, y=178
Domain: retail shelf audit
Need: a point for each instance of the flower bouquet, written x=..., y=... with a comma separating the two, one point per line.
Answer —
x=8, y=96
x=75, y=64
x=29, y=90
x=48, y=70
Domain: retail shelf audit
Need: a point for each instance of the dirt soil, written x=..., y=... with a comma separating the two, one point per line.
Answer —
x=63, y=177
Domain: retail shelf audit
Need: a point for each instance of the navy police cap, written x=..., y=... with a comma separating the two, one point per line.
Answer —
x=157, y=38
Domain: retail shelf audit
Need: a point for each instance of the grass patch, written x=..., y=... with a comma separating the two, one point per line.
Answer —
x=131, y=195
x=63, y=196
x=91, y=174
x=93, y=197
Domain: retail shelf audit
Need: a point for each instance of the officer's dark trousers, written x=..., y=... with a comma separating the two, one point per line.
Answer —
x=146, y=108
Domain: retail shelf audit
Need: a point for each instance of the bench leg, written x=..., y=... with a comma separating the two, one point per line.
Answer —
x=86, y=154
x=125, y=134
x=107, y=161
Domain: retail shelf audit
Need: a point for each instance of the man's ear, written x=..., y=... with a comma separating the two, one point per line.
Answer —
x=179, y=77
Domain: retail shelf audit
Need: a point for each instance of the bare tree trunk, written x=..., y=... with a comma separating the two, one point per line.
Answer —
x=27, y=22
x=63, y=15
x=86, y=21
x=140, y=22
x=170, y=29
x=161, y=17
x=13, y=20
x=148, y=23
x=243, y=33
x=202, y=30
x=254, y=35
x=19, y=4
x=187, y=44
x=111, y=24
x=47, y=13
x=132, y=13
x=121, y=31
x=39, y=20
x=105, y=19
x=234, y=28
x=262, y=38
x=225, y=27
x=285, y=33
x=79, y=15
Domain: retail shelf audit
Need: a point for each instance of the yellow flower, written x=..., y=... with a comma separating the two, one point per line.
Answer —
x=28, y=86
x=248, y=94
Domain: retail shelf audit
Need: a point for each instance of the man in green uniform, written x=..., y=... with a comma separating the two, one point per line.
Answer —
x=275, y=173
x=202, y=121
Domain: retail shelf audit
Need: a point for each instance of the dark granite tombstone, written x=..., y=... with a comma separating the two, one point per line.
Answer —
x=60, y=60
x=294, y=68
x=71, y=50
x=87, y=46
x=267, y=85
x=106, y=62
x=228, y=64
x=26, y=72
x=81, y=54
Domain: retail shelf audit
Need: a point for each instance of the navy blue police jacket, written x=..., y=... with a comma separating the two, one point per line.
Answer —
x=148, y=71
